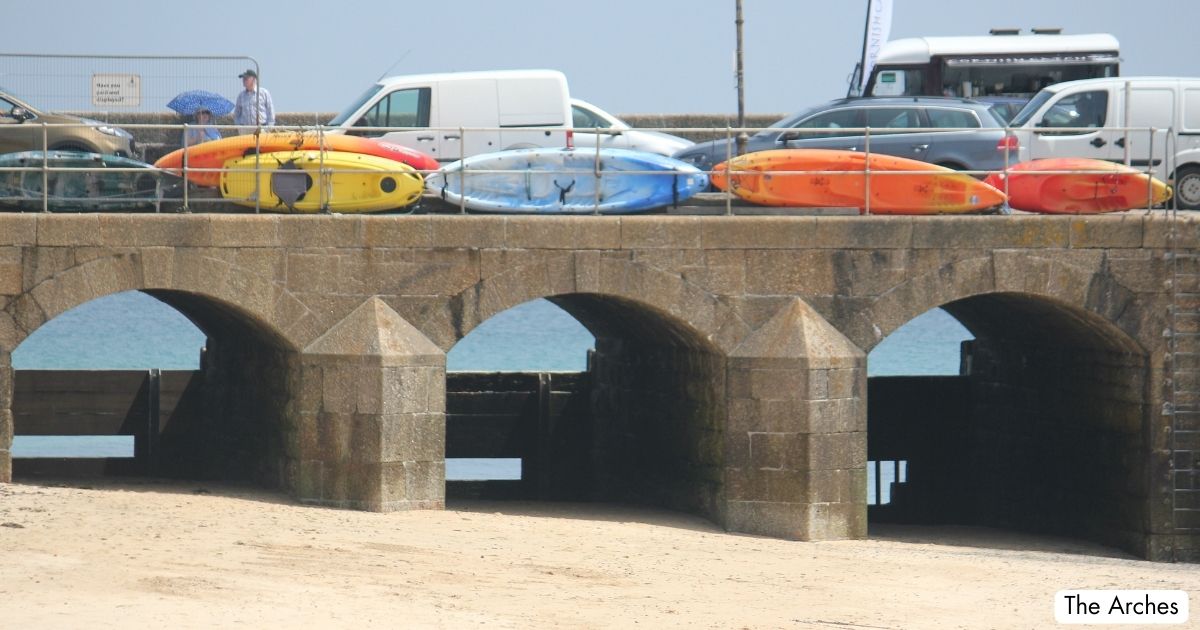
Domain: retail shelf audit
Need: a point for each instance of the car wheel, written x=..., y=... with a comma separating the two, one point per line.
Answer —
x=1187, y=188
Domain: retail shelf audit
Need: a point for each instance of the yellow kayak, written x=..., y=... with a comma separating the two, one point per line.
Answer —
x=308, y=181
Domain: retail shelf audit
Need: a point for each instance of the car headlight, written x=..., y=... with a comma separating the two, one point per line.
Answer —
x=114, y=131
x=699, y=160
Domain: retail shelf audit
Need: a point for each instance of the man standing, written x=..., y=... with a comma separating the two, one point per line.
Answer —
x=254, y=107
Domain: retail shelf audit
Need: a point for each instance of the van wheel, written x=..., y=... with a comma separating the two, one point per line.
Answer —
x=1187, y=188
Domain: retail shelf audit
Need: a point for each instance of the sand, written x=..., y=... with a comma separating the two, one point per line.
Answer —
x=203, y=556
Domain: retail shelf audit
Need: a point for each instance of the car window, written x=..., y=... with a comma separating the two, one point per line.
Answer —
x=951, y=118
x=883, y=119
x=402, y=108
x=1085, y=109
x=828, y=124
x=6, y=107
x=584, y=119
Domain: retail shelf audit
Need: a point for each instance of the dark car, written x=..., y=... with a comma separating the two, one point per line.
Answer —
x=909, y=127
x=1005, y=107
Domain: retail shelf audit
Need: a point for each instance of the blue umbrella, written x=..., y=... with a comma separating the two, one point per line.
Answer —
x=188, y=103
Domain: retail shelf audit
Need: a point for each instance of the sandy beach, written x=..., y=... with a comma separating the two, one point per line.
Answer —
x=202, y=556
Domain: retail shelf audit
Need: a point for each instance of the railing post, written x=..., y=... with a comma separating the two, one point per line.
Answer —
x=186, y=161
x=728, y=170
x=462, y=170
x=596, y=174
x=867, y=170
x=45, y=170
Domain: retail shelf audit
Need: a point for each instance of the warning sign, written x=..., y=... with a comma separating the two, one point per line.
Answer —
x=116, y=90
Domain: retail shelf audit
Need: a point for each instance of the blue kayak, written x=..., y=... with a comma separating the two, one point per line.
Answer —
x=564, y=181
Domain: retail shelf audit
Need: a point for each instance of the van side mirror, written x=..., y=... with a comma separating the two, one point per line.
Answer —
x=20, y=113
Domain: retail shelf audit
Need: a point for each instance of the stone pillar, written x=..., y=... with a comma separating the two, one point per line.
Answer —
x=796, y=444
x=6, y=417
x=367, y=418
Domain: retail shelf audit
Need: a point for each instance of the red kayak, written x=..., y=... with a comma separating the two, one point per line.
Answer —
x=1095, y=187
x=214, y=154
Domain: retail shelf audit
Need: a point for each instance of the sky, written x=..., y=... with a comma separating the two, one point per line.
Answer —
x=627, y=56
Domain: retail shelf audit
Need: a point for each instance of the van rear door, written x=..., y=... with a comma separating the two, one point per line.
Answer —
x=1075, y=123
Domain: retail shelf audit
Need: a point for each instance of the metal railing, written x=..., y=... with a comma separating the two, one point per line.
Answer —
x=325, y=188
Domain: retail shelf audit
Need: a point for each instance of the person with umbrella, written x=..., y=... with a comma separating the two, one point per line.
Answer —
x=200, y=105
x=202, y=129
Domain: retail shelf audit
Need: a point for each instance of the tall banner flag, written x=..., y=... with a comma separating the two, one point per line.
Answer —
x=878, y=28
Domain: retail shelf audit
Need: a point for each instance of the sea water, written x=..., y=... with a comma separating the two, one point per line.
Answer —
x=135, y=331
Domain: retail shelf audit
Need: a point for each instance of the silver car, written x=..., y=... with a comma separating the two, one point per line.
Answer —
x=617, y=134
x=908, y=127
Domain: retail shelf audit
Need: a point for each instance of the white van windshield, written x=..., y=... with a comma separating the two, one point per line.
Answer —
x=1031, y=108
x=358, y=102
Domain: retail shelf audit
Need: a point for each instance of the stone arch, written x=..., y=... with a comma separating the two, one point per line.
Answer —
x=206, y=289
x=1053, y=428
x=657, y=411
x=232, y=422
x=619, y=279
x=1097, y=297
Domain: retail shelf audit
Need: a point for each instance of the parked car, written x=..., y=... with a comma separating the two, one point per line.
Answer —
x=620, y=135
x=21, y=130
x=1091, y=119
x=1004, y=107
x=974, y=139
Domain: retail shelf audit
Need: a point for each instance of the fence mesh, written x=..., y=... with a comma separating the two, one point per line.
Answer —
x=100, y=85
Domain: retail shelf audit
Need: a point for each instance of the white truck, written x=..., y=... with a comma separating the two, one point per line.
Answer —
x=459, y=114
x=1005, y=64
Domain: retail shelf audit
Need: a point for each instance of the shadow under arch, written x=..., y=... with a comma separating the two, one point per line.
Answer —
x=651, y=428
x=1048, y=428
x=224, y=421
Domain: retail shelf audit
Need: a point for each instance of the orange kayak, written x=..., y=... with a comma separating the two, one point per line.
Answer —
x=214, y=154
x=897, y=185
x=1105, y=187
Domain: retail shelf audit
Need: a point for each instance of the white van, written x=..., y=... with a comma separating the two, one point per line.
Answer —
x=513, y=106
x=1109, y=119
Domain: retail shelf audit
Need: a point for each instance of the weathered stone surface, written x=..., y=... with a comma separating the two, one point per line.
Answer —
x=570, y=233
x=11, y=271
x=68, y=231
x=18, y=229
x=234, y=230
x=672, y=232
